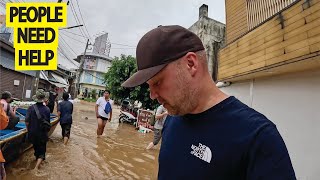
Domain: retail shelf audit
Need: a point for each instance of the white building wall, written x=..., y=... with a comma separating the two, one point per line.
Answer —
x=292, y=102
x=102, y=65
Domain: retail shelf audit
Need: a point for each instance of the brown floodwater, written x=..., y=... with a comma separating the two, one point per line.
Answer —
x=119, y=154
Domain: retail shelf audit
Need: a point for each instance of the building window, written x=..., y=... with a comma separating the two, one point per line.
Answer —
x=261, y=10
x=88, y=78
x=100, y=78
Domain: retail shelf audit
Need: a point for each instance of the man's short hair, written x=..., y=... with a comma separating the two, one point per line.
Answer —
x=65, y=96
x=6, y=95
x=108, y=91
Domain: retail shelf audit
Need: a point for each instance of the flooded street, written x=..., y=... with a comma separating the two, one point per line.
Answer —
x=119, y=154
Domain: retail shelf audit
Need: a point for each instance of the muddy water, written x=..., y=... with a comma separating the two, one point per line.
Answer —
x=119, y=154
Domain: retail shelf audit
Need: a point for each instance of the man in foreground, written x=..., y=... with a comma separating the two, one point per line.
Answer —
x=211, y=135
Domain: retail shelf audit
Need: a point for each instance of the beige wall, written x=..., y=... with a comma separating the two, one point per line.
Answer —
x=236, y=19
x=292, y=102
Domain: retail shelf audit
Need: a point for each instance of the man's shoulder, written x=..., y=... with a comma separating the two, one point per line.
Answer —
x=172, y=121
x=65, y=102
x=99, y=99
x=30, y=108
x=237, y=110
x=111, y=102
x=44, y=109
x=68, y=102
x=2, y=101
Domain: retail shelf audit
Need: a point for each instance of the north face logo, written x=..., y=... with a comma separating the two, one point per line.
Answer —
x=202, y=152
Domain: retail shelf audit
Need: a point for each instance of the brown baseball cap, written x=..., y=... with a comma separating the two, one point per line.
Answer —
x=159, y=47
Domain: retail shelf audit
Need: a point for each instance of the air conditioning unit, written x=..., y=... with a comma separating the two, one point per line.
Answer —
x=16, y=82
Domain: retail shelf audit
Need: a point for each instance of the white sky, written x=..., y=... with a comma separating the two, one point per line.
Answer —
x=127, y=21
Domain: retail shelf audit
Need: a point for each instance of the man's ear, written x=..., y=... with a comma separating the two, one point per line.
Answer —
x=192, y=63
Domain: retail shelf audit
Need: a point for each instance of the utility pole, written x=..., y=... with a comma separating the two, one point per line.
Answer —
x=78, y=73
x=36, y=82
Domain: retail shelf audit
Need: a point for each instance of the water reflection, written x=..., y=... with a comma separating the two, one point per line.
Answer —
x=120, y=154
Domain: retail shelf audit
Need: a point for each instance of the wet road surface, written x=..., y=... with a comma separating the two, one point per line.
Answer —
x=119, y=154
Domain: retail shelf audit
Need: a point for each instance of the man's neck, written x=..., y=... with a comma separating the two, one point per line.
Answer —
x=207, y=97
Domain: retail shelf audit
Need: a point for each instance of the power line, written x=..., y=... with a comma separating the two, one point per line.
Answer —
x=122, y=44
x=75, y=34
x=82, y=19
x=122, y=48
x=93, y=75
x=74, y=39
x=75, y=15
x=110, y=42
x=62, y=53
x=65, y=49
x=68, y=45
x=62, y=49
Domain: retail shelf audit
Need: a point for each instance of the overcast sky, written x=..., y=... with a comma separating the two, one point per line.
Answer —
x=127, y=21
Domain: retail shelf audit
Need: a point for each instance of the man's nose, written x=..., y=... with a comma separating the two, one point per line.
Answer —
x=153, y=94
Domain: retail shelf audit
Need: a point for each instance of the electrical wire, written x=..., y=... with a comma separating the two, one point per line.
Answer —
x=84, y=24
x=75, y=15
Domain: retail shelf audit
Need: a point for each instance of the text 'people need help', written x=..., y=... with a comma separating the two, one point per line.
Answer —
x=36, y=33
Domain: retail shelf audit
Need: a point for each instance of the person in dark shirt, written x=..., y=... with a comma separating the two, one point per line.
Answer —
x=37, y=136
x=52, y=98
x=65, y=109
x=208, y=134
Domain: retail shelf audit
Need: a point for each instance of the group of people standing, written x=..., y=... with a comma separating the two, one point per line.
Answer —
x=37, y=120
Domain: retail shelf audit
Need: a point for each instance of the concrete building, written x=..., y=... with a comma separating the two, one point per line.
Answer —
x=94, y=68
x=95, y=65
x=271, y=62
x=212, y=34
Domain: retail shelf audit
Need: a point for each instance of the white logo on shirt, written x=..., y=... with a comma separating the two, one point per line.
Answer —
x=202, y=152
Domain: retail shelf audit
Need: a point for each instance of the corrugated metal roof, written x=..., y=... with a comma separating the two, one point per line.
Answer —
x=59, y=79
x=9, y=64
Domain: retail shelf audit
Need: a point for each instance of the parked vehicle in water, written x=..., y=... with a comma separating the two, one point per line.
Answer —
x=127, y=106
x=126, y=117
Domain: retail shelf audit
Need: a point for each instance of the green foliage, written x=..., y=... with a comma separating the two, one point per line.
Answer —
x=121, y=69
x=90, y=100
x=94, y=93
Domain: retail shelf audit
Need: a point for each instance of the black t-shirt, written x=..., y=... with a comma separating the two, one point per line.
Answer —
x=228, y=141
x=32, y=118
x=66, y=110
x=52, y=98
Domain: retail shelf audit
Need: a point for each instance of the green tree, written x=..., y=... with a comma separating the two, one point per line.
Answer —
x=94, y=94
x=121, y=69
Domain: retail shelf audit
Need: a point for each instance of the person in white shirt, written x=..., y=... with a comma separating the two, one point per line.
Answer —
x=161, y=116
x=103, y=110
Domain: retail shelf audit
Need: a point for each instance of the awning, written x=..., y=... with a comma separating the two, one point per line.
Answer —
x=43, y=76
x=60, y=79
x=59, y=85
